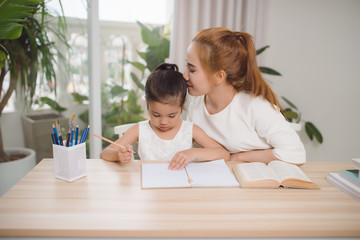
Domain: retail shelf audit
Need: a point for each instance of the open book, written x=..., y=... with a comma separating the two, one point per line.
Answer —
x=202, y=174
x=273, y=175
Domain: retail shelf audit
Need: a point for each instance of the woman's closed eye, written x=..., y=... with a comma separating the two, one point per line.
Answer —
x=190, y=67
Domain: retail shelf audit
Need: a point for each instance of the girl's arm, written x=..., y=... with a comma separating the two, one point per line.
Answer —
x=211, y=150
x=115, y=153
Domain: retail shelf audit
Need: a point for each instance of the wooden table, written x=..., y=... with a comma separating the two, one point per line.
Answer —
x=109, y=202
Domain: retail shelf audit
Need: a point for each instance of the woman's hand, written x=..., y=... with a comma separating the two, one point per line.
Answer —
x=181, y=159
x=125, y=154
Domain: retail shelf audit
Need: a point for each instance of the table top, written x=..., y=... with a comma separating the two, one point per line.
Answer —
x=109, y=202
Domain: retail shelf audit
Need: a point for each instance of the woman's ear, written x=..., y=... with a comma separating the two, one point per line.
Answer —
x=220, y=77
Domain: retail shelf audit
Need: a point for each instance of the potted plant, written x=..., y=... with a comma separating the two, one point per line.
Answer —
x=37, y=127
x=291, y=112
x=25, y=50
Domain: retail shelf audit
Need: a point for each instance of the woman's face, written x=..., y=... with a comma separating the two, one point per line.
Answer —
x=198, y=81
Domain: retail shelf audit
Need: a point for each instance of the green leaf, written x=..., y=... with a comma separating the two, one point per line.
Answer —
x=79, y=98
x=137, y=81
x=2, y=58
x=10, y=30
x=138, y=65
x=289, y=115
x=157, y=55
x=12, y=16
x=54, y=105
x=259, y=51
x=312, y=132
x=118, y=91
x=142, y=55
x=150, y=37
x=269, y=71
x=290, y=103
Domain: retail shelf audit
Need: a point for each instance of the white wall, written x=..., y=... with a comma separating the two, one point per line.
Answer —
x=316, y=47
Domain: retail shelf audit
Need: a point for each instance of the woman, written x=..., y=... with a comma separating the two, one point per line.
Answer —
x=231, y=101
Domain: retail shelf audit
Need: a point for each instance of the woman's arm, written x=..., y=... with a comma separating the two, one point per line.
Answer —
x=115, y=153
x=264, y=156
x=211, y=150
x=276, y=131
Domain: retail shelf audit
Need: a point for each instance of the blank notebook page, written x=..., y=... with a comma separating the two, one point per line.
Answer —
x=203, y=174
x=211, y=174
x=157, y=175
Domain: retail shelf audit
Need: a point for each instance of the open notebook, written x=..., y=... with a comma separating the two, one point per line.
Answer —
x=203, y=174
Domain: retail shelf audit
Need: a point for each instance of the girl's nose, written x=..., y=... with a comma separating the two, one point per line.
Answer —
x=163, y=121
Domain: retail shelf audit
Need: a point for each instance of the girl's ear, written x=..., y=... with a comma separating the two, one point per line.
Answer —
x=220, y=77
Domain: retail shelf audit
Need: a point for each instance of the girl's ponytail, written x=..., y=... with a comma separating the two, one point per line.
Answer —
x=167, y=66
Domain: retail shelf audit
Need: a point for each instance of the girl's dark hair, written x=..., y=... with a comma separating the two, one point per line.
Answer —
x=166, y=82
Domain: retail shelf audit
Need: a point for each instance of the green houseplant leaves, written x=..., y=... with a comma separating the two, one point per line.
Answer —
x=26, y=51
x=291, y=112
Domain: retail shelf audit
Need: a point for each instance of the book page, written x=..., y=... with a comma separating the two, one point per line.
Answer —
x=157, y=175
x=256, y=171
x=285, y=170
x=255, y=175
x=211, y=174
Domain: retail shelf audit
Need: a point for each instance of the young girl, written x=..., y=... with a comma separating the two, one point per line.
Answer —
x=233, y=103
x=165, y=136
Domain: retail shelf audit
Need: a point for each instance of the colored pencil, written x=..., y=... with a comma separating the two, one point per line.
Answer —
x=58, y=128
x=76, y=134
x=56, y=135
x=71, y=137
x=109, y=141
x=67, y=139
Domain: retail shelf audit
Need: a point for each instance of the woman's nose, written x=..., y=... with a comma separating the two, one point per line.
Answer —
x=186, y=74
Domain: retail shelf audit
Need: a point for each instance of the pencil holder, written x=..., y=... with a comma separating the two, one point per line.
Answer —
x=70, y=162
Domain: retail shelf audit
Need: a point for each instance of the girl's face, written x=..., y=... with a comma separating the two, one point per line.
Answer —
x=164, y=116
x=198, y=81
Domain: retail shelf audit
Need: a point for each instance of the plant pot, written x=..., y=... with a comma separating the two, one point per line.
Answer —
x=296, y=126
x=11, y=172
x=37, y=132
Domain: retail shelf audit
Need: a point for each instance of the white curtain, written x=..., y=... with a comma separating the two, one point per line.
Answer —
x=191, y=16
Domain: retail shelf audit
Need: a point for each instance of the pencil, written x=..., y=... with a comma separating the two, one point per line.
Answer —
x=77, y=134
x=67, y=139
x=72, y=122
x=72, y=137
x=56, y=135
x=109, y=141
x=189, y=178
x=58, y=128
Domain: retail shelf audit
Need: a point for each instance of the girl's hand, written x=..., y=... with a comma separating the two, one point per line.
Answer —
x=181, y=159
x=125, y=154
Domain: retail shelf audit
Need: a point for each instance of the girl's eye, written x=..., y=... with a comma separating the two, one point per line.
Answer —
x=172, y=116
x=156, y=115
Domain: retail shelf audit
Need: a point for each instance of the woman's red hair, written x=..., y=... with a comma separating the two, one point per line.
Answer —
x=235, y=53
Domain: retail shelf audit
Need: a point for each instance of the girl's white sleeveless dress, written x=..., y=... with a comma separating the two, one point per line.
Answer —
x=151, y=147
